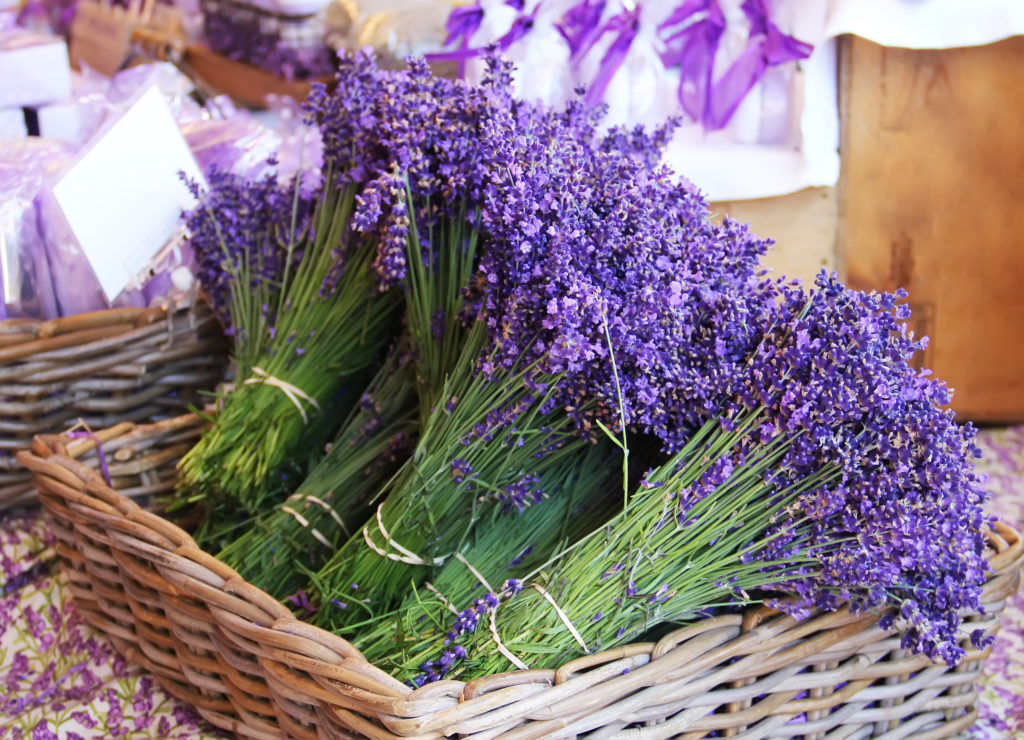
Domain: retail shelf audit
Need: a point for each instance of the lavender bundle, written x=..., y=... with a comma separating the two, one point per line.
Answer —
x=560, y=288
x=663, y=559
x=465, y=464
x=334, y=500
x=519, y=536
x=303, y=304
x=834, y=477
x=559, y=278
x=411, y=142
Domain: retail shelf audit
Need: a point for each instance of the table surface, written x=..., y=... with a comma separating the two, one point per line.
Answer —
x=60, y=678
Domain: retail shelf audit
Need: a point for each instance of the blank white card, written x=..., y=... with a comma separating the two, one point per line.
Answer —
x=124, y=196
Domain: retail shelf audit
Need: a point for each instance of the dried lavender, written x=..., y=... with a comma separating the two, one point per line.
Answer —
x=529, y=385
x=334, y=500
x=614, y=258
x=412, y=141
x=689, y=540
x=509, y=544
x=606, y=299
x=240, y=234
x=323, y=322
x=490, y=435
x=835, y=478
x=836, y=375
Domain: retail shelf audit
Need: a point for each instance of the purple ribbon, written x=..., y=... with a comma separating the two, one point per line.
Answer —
x=694, y=46
x=468, y=22
x=462, y=23
x=581, y=26
x=768, y=46
x=99, y=452
x=626, y=24
x=581, y=22
x=520, y=27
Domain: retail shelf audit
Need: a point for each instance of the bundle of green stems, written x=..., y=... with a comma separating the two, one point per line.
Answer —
x=322, y=338
x=661, y=560
x=487, y=438
x=281, y=547
x=505, y=545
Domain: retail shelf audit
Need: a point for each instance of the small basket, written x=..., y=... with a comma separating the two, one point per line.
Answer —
x=119, y=365
x=290, y=46
x=251, y=667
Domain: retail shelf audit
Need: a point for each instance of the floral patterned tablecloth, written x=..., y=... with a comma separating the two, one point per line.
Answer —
x=59, y=678
x=1002, y=699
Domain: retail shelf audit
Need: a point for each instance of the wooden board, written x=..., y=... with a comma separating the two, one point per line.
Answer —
x=932, y=199
x=803, y=226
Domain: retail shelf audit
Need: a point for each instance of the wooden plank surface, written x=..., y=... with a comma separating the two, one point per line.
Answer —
x=932, y=199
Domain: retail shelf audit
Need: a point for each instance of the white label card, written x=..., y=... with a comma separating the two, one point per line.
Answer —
x=124, y=196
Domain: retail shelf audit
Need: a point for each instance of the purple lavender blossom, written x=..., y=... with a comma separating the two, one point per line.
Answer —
x=406, y=129
x=521, y=493
x=242, y=222
x=836, y=378
x=607, y=276
x=606, y=269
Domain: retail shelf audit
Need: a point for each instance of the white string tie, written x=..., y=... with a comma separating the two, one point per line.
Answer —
x=501, y=646
x=407, y=556
x=565, y=619
x=292, y=392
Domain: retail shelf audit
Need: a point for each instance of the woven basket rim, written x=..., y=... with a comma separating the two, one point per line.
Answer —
x=335, y=663
x=101, y=367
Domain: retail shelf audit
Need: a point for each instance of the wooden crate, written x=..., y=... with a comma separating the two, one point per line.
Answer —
x=930, y=199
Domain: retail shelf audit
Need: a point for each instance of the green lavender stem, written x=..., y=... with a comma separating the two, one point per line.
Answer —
x=507, y=544
x=319, y=343
x=426, y=513
x=283, y=546
x=644, y=568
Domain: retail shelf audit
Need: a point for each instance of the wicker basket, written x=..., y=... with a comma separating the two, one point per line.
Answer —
x=250, y=667
x=101, y=368
x=290, y=46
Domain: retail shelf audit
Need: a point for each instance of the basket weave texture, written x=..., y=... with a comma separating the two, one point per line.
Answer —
x=251, y=667
x=103, y=368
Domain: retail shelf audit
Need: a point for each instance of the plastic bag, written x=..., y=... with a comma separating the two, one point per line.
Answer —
x=26, y=286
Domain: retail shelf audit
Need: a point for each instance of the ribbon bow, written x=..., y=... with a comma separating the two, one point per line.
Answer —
x=581, y=28
x=693, y=45
x=465, y=22
x=462, y=24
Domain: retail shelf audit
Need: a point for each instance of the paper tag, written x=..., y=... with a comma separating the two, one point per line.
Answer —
x=123, y=198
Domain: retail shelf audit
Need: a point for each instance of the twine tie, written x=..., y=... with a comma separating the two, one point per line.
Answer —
x=292, y=392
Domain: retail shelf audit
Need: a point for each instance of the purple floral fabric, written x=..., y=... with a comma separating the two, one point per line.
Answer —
x=1001, y=707
x=59, y=678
